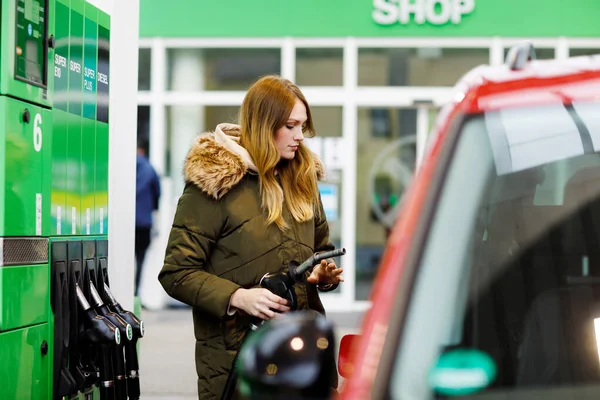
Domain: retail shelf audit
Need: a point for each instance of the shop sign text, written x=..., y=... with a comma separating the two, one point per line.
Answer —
x=436, y=12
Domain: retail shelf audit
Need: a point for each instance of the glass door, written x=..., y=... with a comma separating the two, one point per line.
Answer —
x=326, y=144
x=391, y=142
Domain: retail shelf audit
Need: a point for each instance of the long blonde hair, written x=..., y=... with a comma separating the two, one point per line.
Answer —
x=266, y=108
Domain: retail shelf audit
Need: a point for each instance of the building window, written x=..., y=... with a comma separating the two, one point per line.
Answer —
x=220, y=114
x=319, y=67
x=144, y=69
x=143, y=128
x=220, y=69
x=540, y=53
x=425, y=66
x=583, y=52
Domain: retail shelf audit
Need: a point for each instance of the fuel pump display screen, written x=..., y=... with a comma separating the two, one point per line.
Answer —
x=30, y=42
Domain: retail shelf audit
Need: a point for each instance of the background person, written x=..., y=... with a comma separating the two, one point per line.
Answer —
x=146, y=202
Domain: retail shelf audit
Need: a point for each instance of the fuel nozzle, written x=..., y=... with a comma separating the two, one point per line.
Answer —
x=282, y=282
x=107, y=336
x=118, y=373
x=297, y=272
x=102, y=309
x=131, y=318
x=131, y=357
x=100, y=330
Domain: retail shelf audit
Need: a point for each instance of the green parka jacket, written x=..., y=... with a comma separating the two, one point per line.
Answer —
x=220, y=242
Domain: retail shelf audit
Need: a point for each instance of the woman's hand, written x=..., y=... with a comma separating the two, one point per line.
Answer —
x=258, y=302
x=326, y=274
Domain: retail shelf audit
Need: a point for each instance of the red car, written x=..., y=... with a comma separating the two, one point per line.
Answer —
x=490, y=283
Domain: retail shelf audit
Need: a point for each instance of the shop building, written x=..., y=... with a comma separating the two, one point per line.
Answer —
x=374, y=72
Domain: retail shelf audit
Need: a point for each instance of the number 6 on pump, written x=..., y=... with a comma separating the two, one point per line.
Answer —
x=37, y=132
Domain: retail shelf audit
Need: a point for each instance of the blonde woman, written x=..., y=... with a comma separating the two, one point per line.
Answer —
x=250, y=206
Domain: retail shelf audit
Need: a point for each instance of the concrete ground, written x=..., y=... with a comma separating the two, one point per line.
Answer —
x=167, y=369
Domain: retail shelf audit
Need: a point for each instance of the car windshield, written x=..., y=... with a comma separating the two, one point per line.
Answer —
x=506, y=301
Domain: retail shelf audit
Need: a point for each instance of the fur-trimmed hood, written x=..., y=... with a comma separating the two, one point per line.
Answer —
x=216, y=161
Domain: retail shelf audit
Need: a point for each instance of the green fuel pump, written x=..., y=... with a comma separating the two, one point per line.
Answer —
x=62, y=334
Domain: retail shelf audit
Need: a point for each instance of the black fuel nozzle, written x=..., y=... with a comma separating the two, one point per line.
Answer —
x=282, y=282
x=120, y=377
x=131, y=318
x=102, y=309
x=297, y=272
x=100, y=331
x=131, y=357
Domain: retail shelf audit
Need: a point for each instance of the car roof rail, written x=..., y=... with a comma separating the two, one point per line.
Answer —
x=518, y=55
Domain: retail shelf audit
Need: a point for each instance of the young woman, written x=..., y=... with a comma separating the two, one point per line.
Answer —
x=250, y=206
